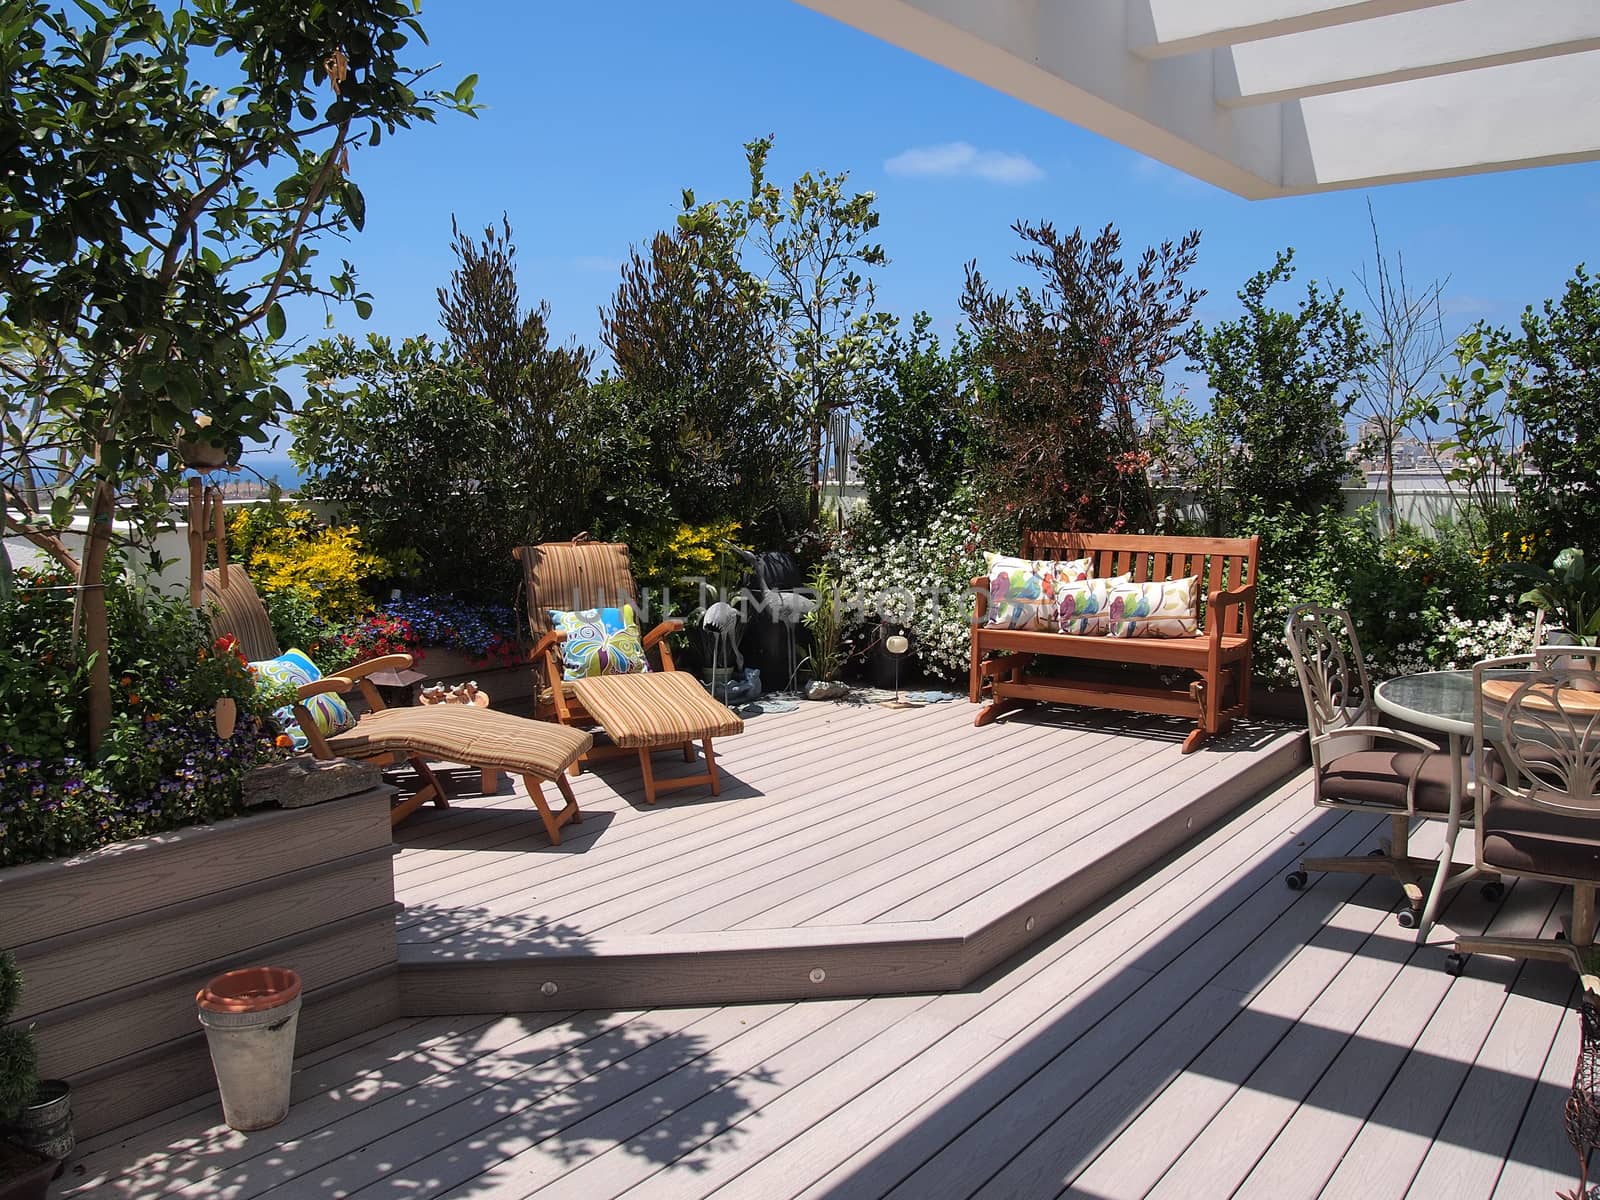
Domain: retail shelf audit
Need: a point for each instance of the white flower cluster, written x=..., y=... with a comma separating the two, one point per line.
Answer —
x=1459, y=642
x=921, y=581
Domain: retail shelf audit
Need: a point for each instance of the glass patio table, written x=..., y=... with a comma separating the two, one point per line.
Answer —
x=1441, y=701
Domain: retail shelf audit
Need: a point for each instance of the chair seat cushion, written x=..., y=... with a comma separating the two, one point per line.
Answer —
x=458, y=733
x=666, y=708
x=1377, y=779
x=1524, y=838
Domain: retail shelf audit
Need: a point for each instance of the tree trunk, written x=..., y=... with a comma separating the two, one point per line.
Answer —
x=96, y=626
x=814, y=470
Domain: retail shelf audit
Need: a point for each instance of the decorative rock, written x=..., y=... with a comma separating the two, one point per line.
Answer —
x=826, y=689
x=303, y=781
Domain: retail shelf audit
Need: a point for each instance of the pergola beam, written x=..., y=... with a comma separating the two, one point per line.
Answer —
x=1167, y=28
x=1468, y=35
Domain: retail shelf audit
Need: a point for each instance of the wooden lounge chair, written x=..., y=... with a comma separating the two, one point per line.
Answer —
x=571, y=577
x=538, y=751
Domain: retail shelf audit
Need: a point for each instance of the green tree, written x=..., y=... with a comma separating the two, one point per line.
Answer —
x=401, y=440
x=695, y=390
x=536, y=389
x=811, y=253
x=165, y=177
x=1069, y=369
x=919, y=427
x=1558, y=401
x=1282, y=384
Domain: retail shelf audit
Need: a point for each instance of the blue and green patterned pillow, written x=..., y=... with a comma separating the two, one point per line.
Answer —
x=600, y=641
x=329, y=713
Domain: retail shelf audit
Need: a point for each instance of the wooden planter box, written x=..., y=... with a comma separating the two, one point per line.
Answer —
x=114, y=944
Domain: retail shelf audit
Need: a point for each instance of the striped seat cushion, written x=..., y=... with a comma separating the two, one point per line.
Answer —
x=667, y=708
x=458, y=733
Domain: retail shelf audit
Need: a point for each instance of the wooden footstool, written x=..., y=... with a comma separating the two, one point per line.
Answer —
x=657, y=710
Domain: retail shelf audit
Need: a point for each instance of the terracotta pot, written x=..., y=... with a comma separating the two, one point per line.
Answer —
x=250, y=1018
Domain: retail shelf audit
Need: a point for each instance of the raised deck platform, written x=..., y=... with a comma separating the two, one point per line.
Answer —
x=854, y=851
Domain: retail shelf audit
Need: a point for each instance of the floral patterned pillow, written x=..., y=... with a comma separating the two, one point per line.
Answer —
x=329, y=713
x=1167, y=609
x=1084, y=605
x=600, y=641
x=1022, y=592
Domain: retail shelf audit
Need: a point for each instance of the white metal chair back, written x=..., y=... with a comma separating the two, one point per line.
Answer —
x=1544, y=728
x=1332, y=672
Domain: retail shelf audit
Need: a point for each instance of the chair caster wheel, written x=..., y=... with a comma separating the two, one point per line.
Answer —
x=1296, y=880
x=1456, y=964
x=1493, y=890
x=1408, y=918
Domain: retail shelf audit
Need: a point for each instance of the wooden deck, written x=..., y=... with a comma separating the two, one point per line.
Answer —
x=854, y=850
x=1205, y=1032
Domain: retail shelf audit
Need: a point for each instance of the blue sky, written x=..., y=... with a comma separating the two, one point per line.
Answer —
x=600, y=114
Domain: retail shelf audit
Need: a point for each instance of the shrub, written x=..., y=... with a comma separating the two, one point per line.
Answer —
x=1068, y=370
x=920, y=580
x=918, y=428
x=161, y=764
x=19, y=1059
x=1559, y=404
x=287, y=550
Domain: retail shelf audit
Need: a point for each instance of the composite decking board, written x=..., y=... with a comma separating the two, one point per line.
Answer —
x=705, y=821
x=862, y=821
x=451, y=839
x=835, y=813
x=1329, y=972
x=279, y=1163
x=1130, y=793
x=1364, y=997
x=985, y=1016
x=1472, y=1144
x=1067, y=1053
x=1056, y=800
x=405, y=1058
x=855, y=1126
x=476, y=824
x=679, y=1115
x=432, y=826
x=1385, y=1155
x=1114, y=1004
x=521, y=1105
x=700, y=1061
x=929, y=818
x=743, y=836
x=1541, y=1160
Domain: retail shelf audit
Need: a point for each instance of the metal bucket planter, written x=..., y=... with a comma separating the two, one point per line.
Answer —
x=45, y=1123
x=250, y=1018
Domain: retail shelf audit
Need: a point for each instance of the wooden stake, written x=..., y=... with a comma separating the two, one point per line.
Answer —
x=197, y=544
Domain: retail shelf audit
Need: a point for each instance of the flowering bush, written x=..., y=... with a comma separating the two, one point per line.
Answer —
x=921, y=581
x=482, y=631
x=162, y=764
x=286, y=549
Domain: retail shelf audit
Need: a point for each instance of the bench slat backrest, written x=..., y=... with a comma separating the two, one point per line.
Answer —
x=1220, y=563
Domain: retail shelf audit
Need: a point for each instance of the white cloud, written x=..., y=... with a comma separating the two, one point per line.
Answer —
x=957, y=159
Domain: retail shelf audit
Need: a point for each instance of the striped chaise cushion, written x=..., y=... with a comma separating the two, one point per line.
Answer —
x=461, y=734
x=666, y=708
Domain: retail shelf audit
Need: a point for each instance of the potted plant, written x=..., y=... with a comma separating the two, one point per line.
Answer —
x=826, y=623
x=1569, y=590
x=24, y=1174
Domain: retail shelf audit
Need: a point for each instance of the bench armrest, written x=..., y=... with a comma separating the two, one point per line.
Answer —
x=1218, y=602
x=980, y=599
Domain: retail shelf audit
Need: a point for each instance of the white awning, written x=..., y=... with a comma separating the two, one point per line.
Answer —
x=1282, y=97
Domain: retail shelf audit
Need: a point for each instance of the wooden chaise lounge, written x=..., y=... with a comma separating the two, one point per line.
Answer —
x=1006, y=662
